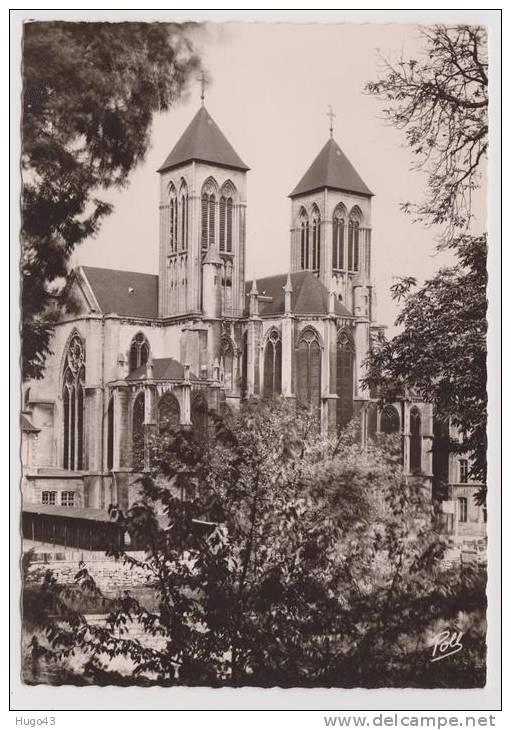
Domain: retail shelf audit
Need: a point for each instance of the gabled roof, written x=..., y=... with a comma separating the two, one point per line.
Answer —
x=331, y=169
x=309, y=295
x=203, y=141
x=127, y=293
x=164, y=368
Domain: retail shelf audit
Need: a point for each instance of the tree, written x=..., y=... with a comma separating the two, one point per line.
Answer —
x=441, y=102
x=89, y=94
x=441, y=351
x=278, y=557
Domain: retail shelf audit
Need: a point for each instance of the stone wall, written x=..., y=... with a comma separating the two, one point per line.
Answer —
x=111, y=576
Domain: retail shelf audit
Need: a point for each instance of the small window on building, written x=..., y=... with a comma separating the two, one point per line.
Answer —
x=463, y=506
x=139, y=351
x=485, y=514
x=67, y=499
x=463, y=471
x=49, y=497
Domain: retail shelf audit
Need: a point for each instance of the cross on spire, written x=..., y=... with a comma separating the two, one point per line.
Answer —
x=203, y=81
x=331, y=116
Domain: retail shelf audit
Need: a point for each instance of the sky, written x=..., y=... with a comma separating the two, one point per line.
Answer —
x=270, y=88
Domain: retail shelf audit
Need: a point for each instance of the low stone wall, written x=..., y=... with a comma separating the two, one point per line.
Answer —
x=111, y=576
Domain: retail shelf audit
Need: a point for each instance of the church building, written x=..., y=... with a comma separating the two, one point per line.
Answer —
x=143, y=348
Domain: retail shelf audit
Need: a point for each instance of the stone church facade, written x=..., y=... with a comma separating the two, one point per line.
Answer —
x=199, y=337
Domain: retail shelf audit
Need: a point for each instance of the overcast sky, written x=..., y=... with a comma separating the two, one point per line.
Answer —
x=270, y=91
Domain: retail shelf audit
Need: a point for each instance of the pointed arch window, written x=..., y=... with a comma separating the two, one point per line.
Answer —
x=139, y=351
x=338, y=240
x=308, y=365
x=169, y=413
x=226, y=208
x=173, y=216
x=199, y=417
x=208, y=205
x=138, y=433
x=110, y=435
x=273, y=366
x=304, y=240
x=354, y=242
x=183, y=224
x=345, y=362
x=389, y=421
x=244, y=364
x=415, y=441
x=73, y=401
x=316, y=239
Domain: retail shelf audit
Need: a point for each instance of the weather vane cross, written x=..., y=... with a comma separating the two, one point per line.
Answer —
x=330, y=114
x=203, y=82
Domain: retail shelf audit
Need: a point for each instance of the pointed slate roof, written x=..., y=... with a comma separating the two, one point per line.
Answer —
x=331, y=169
x=203, y=141
x=309, y=295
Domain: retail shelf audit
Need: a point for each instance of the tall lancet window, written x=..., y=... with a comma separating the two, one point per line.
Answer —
x=273, y=366
x=316, y=239
x=304, y=239
x=183, y=216
x=173, y=216
x=338, y=239
x=353, y=240
x=415, y=441
x=345, y=360
x=208, y=206
x=110, y=435
x=73, y=401
x=169, y=413
x=199, y=417
x=226, y=209
x=138, y=433
x=308, y=369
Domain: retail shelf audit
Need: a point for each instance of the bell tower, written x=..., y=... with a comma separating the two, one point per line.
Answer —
x=331, y=227
x=202, y=209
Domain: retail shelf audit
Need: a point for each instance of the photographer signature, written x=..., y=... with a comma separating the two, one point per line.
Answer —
x=446, y=643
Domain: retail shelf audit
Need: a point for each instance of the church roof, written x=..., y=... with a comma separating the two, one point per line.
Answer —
x=309, y=295
x=203, y=141
x=331, y=169
x=164, y=368
x=127, y=293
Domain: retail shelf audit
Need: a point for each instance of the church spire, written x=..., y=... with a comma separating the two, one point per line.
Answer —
x=203, y=141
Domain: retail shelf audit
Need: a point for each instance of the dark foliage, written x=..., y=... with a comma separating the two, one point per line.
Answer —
x=440, y=100
x=441, y=351
x=295, y=561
